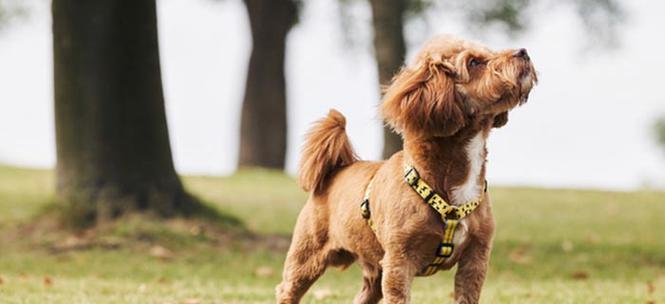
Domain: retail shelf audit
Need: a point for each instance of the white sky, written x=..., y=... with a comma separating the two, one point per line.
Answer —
x=587, y=124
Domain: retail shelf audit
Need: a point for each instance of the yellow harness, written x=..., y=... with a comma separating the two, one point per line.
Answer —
x=450, y=214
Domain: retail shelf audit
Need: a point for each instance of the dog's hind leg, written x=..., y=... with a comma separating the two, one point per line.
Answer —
x=307, y=258
x=371, y=290
x=301, y=269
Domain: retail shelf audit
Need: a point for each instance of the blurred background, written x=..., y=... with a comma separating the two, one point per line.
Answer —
x=148, y=147
x=590, y=122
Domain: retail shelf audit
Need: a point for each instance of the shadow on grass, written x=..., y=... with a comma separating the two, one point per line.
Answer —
x=206, y=212
x=205, y=224
x=68, y=215
x=205, y=227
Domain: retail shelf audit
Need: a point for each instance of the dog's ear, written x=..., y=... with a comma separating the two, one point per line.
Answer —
x=423, y=99
x=500, y=120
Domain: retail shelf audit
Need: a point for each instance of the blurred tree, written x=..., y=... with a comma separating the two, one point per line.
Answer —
x=263, y=128
x=389, y=51
x=113, y=152
x=3, y=14
x=600, y=18
x=660, y=131
x=10, y=10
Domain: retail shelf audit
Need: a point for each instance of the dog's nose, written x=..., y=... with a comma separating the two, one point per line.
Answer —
x=521, y=53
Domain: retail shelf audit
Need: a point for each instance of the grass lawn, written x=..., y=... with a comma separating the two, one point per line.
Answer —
x=552, y=246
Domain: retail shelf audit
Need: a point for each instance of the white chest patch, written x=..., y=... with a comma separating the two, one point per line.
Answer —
x=471, y=188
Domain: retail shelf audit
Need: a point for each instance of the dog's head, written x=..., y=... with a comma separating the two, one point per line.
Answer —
x=454, y=81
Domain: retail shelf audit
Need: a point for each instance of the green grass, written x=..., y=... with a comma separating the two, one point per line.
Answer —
x=552, y=246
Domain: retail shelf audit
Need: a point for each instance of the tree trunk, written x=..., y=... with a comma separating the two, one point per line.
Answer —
x=263, y=128
x=113, y=152
x=390, y=50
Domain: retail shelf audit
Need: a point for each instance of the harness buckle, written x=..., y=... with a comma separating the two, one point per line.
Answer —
x=411, y=176
x=364, y=209
x=445, y=250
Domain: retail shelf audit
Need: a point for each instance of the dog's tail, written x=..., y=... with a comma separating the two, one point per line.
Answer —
x=326, y=149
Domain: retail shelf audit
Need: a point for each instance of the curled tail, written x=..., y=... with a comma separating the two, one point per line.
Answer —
x=326, y=149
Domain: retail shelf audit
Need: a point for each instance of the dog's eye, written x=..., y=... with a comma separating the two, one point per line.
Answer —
x=474, y=62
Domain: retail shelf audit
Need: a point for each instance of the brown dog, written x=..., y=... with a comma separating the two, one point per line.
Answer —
x=444, y=106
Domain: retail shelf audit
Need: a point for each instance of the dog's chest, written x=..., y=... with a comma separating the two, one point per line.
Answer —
x=472, y=187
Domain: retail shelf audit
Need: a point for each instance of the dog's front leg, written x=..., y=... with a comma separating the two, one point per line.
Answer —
x=471, y=271
x=398, y=273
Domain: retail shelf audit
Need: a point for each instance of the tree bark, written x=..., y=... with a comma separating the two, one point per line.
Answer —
x=113, y=151
x=263, y=129
x=390, y=50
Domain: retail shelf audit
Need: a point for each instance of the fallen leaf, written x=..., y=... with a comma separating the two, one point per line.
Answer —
x=110, y=242
x=322, y=293
x=47, y=281
x=264, y=272
x=142, y=288
x=451, y=295
x=196, y=230
x=72, y=242
x=191, y=301
x=161, y=252
x=520, y=256
x=650, y=287
x=592, y=237
x=567, y=246
x=2, y=281
x=651, y=302
x=580, y=275
x=163, y=280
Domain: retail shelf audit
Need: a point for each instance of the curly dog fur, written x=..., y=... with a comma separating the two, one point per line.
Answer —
x=444, y=106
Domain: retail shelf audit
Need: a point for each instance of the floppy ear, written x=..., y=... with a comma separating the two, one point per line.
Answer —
x=500, y=120
x=422, y=99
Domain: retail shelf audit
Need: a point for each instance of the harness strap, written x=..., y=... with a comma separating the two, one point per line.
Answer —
x=412, y=178
x=450, y=214
x=444, y=251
